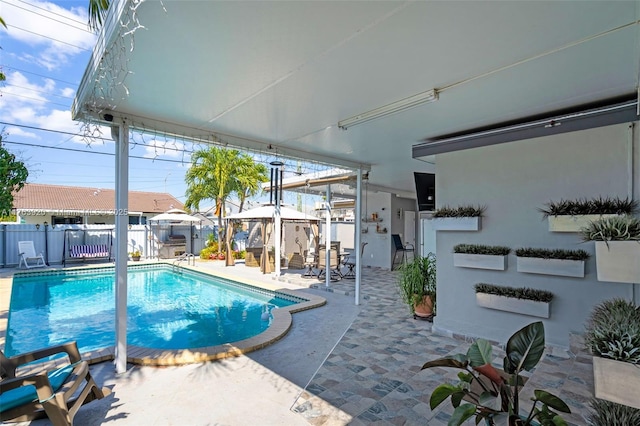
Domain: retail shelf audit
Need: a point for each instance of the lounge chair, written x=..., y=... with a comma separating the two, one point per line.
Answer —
x=27, y=254
x=47, y=393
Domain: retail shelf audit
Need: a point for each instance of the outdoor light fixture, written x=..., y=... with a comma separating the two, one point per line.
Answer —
x=392, y=108
x=37, y=226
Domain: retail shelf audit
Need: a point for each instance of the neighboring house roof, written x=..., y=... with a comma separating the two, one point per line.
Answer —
x=35, y=196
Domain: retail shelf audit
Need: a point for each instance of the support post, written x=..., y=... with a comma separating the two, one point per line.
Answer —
x=327, y=238
x=120, y=134
x=358, y=236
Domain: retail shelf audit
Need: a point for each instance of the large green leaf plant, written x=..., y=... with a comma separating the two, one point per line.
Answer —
x=491, y=394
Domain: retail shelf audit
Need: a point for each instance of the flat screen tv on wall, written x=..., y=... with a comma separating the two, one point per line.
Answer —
x=425, y=190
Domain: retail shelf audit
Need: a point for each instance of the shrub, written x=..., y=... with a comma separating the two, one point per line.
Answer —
x=552, y=254
x=515, y=292
x=619, y=228
x=460, y=211
x=594, y=206
x=613, y=331
x=481, y=249
x=417, y=279
x=205, y=252
x=607, y=413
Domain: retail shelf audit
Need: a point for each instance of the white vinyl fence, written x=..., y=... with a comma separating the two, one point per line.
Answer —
x=53, y=241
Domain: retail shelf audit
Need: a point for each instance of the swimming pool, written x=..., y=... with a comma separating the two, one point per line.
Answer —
x=168, y=309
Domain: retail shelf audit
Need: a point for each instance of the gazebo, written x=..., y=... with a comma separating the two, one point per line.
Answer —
x=266, y=214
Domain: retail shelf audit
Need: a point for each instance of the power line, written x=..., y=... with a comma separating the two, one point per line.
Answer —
x=9, y=67
x=36, y=99
x=155, y=147
x=47, y=37
x=48, y=17
x=91, y=152
x=39, y=91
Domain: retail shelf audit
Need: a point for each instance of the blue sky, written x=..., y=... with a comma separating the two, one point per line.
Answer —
x=45, y=50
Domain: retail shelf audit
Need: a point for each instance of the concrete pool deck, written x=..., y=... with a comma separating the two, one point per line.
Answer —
x=339, y=364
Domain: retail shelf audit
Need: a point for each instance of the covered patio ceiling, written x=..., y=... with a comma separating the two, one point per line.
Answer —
x=279, y=76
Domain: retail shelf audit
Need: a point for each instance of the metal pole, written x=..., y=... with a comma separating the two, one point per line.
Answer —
x=46, y=244
x=358, y=239
x=120, y=135
x=327, y=238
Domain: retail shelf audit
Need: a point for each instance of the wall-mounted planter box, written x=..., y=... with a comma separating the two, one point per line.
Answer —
x=456, y=223
x=562, y=267
x=616, y=381
x=480, y=261
x=618, y=261
x=568, y=223
x=509, y=304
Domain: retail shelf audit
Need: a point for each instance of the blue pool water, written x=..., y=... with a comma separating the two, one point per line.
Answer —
x=166, y=309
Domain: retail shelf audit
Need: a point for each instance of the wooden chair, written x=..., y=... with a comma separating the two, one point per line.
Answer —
x=57, y=393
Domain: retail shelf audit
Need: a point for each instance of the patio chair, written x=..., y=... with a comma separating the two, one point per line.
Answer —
x=400, y=248
x=47, y=393
x=310, y=262
x=27, y=253
x=350, y=262
x=334, y=263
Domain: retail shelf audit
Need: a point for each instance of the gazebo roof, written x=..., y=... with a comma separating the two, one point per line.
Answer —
x=268, y=212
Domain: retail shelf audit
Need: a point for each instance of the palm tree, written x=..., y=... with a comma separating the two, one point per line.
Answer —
x=216, y=173
x=2, y=76
x=250, y=176
x=97, y=13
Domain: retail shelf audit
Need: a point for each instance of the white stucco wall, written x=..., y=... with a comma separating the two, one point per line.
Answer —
x=513, y=180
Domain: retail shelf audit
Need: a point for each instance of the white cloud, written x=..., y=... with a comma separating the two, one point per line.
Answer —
x=68, y=92
x=17, y=131
x=61, y=33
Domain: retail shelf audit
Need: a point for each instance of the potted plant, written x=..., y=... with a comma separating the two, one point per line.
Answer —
x=480, y=256
x=417, y=284
x=567, y=263
x=607, y=413
x=572, y=215
x=617, y=248
x=135, y=255
x=525, y=301
x=613, y=337
x=491, y=394
x=461, y=218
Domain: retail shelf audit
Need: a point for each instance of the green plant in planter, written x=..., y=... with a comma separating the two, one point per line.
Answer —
x=460, y=211
x=488, y=393
x=481, y=249
x=607, y=413
x=515, y=292
x=613, y=331
x=620, y=228
x=417, y=279
x=585, y=206
x=552, y=254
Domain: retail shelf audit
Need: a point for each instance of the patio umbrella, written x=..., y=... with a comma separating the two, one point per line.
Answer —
x=175, y=215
